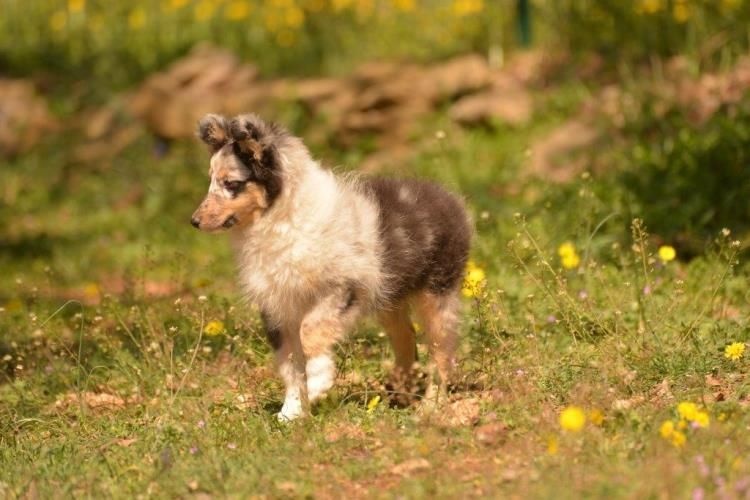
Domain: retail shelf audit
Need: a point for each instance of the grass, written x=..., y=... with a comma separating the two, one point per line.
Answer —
x=111, y=387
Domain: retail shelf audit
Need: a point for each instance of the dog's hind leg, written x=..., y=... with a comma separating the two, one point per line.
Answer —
x=439, y=315
x=401, y=333
x=325, y=324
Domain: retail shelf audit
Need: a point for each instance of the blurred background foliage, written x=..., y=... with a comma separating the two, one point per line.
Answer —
x=668, y=144
x=121, y=42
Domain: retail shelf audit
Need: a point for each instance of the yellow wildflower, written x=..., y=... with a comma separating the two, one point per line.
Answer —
x=237, y=10
x=214, y=328
x=474, y=280
x=467, y=7
x=339, y=5
x=552, y=445
x=596, y=417
x=681, y=11
x=572, y=419
x=365, y=8
x=76, y=5
x=373, y=403
x=294, y=17
x=687, y=411
x=678, y=439
x=566, y=248
x=571, y=261
x=137, y=18
x=176, y=4
x=666, y=429
x=734, y=351
x=91, y=291
x=702, y=419
x=568, y=255
x=667, y=253
x=404, y=5
x=204, y=10
x=649, y=6
x=58, y=21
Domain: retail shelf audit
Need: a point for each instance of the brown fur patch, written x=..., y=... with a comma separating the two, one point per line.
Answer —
x=401, y=333
x=425, y=233
x=329, y=321
x=246, y=208
x=439, y=314
x=214, y=131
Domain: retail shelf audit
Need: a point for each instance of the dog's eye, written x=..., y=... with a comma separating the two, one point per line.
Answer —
x=234, y=186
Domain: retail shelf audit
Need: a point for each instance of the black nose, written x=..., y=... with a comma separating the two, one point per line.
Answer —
x=195, y=222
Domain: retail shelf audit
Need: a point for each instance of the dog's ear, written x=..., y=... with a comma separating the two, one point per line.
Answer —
x=251, y=137
x=214, y=131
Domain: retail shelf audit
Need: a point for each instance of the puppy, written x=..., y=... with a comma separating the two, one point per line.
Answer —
x=317, y=251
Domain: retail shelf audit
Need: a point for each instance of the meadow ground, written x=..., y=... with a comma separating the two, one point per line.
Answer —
x=131, y=367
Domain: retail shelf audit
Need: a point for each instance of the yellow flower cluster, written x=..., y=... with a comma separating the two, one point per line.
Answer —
x=689, y=416
x=474, y=280
x=676, y=437
x=734, y=351
x=681, y=10
x=569, y=257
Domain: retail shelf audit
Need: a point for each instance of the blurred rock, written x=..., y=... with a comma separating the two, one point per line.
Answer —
x=208, y=80
x=551, y=155
x=491, y=434
x=512, y=107
x=24, y=117
x=384, y=99
x=459, y=413
x=411, y=466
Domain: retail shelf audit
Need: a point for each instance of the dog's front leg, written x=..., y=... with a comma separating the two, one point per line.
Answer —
x=291, y=363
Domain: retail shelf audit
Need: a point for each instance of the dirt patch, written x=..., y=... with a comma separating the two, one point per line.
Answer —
x=97, y=402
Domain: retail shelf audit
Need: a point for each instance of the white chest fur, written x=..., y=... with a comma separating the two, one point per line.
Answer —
x=321, y=232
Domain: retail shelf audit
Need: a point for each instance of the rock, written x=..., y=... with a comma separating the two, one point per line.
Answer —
x=495, y=106
x=549, y=154
x=491, y=434
x=460, y=413
x=208, y=79
x=410, y=466
x=457, y=77
x=24, y=117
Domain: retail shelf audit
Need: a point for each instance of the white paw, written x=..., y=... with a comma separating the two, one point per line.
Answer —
x=291, y=410
x=321, y=372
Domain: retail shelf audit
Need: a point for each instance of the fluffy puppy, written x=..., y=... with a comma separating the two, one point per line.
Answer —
x=317, y=251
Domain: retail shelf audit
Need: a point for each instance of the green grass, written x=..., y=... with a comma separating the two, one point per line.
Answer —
x=101, y=278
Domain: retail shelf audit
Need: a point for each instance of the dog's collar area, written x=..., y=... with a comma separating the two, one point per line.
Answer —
x=231, y=221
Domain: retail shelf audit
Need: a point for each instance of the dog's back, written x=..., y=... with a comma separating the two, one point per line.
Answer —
x=425, y=235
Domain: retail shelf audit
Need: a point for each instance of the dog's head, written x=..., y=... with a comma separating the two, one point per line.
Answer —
x=245, y=171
